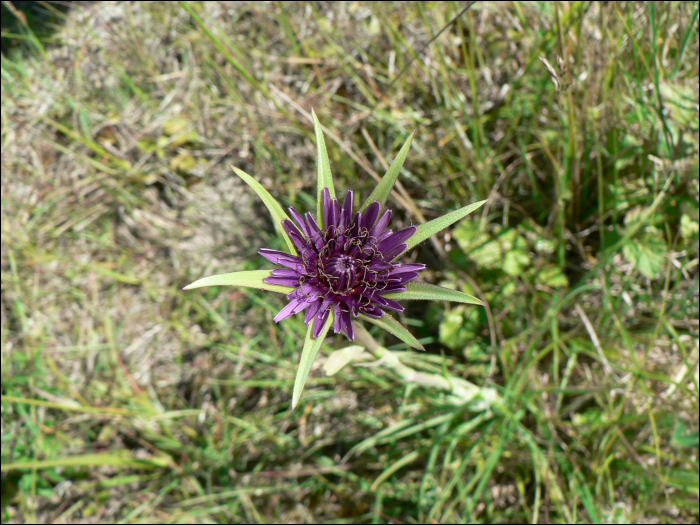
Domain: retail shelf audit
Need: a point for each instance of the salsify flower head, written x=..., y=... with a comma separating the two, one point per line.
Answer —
x=341, y=267
x=344, y=267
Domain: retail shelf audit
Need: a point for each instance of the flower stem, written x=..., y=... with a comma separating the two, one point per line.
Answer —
x=457, y=386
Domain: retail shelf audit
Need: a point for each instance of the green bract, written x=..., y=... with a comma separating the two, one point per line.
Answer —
x=296, y=242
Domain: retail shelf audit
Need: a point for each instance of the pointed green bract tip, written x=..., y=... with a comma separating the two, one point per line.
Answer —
x=436, y=225
x=325, y=177
x=383, y=189
x=276, y=211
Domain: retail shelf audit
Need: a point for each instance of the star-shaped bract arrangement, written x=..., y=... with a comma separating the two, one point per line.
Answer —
x=342, y=266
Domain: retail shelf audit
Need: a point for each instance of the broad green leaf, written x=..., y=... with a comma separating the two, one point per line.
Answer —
x=339, y=359
x=308, y=354
x=552, y=276
x=515, y=261
x=689, y=227
x=430, y=292
x=646, y=252
x=392, y=326
x=381, y=192
x=325, y=178
x=458, y=327
x=278, y=214
x=252, y=279
x=432, y=227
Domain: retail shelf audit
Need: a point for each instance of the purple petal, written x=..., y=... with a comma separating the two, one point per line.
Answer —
x=320, y=321
x=311, y=225
x=381, y=236
x=284, y=281
x=300, y=221
x=309, y=256
x=387, y=303
x=347, y=204
x=319, y=241
x=309, y=291
x=344, y=220
x=381, y=224
x=335, y=214
x=372, y=311
x=396, y=250
x=407, y=267
x=290, y=227
x=326, y=208
x=343, y=279
x=394, y=240
x=351, y=303
x=353, y=252
x=370, y=215
x=285, y=259
x=378, y=265
x=356, y=225
x=337, y=320
x=407, y=277
x=285, y=272
x=346, y=324
x=394, y=287
x=296, y=237
x=311, y=312
x=294, y=306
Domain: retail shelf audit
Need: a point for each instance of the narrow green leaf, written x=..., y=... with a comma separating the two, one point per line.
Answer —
x=381, y=192
x=308, y=354
x=118, y=458
x=278, y=214
x=430, y=292
x=405, y=460
x=432, y=227
x=587, y=498
x=252, y=279
x=392, y=326
x=71, y=407
x=325, y=178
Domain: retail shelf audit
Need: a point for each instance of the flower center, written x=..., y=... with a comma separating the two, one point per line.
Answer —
x=344, y=263
x=340, y=271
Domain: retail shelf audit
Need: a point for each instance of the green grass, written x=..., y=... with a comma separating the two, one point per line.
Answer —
x=127, y=399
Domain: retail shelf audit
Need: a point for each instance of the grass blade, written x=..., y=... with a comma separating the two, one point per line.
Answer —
x=119, y=458
x=409, y=458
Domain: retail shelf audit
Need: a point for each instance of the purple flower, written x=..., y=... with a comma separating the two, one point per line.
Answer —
x=344, y=265
x=341, y=267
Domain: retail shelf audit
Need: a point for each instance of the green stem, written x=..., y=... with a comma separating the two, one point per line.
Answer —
x=457, y=386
